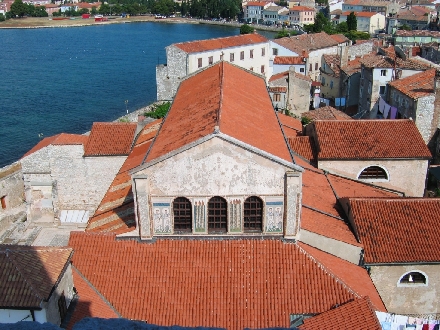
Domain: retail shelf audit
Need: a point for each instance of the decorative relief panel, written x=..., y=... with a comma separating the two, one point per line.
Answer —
x=161, y=211
x=235, y=215
x=199, y=209
x=274, y=214
x=293, y=198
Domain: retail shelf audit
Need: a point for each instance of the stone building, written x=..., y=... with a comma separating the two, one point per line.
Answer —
x=52, y=197
x=36, y=283
x=400, y=251
x=11, y=194
x=369, y=22
x=373, y=151
x=249, y=51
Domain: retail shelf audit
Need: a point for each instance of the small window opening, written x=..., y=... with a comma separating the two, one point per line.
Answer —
x=373, y=172
x=413, y=278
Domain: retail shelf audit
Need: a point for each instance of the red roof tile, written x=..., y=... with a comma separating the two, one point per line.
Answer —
x=309, y=42
x=301, y=8
x=355, y=277
x=90, y=303
x=358, y=314
x=221, y=43
x=339, y=38
x=326, y=113
x=415, y=86
x=290, y=122
x=110, y=139
x=381, y=61
x=280, y=75
x=248, y=283
x=59, y=139
x=369, y=139
x=303, y=146
x=289, y=60
x=29, y=274
x=402, y=230
x=210, y=100
x=360, y=13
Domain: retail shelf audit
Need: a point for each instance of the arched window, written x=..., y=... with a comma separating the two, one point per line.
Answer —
x=182, y=215
x=373, y=172
x=413, y=278
x=253, y=214
x=217, y=215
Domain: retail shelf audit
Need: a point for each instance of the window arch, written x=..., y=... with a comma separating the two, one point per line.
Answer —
x=253, y=214
x=373, y=173
x=217, y=215
x=182, y=215
x=413, y=278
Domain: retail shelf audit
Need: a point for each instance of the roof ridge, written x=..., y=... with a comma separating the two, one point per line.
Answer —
x=28, y=282
x=329, y=272
x=221, y=82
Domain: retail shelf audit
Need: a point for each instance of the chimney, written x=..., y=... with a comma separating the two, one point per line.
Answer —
x=344, y=56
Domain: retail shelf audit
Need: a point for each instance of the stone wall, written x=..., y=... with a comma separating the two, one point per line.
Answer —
x=409, y=298
x=298, y=94
x=404, y=175
x=11, y=194
x=360, y=49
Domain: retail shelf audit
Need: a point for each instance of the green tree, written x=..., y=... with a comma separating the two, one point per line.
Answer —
x=18, y=9
x=322, y=23
x=94, y=11
x=352, y=22
x=2, y=17
x=246, y=29
x=40, y=11
x=342, y=27
x=104, y=9
x=84, y=11
x=406, y=27
x=357, y=35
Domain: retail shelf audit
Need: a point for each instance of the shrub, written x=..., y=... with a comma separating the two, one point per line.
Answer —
x=158, y=111
x=246, y=29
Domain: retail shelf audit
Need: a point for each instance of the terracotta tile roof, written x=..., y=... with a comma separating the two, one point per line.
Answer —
x=28, y=274
x=339, y=38
x=415, y=86
x=380, y=61
x=355, y=277
x=289, y=60
x=333, y=62
x=358, y=314
x=221, y=43
x=274, y=8
x=115, y=213
x=90, y=303
x=402, y=230
x=417, y=33
x=303, y=146
x=369, y=139
x=301, y=8
x=359, y=13
x=210, y=100
x=290, y=122
x=248, y=283
x=376, y=3
x=326, y=113
x=309, y=42
x=59, y=139
x=110, y=139
x=327, y=226
x=257, y=3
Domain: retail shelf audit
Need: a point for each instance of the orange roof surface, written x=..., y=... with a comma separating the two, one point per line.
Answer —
x=310, y=42
x=359, y=13
x=326, y=113
x=290, y=122
x=402, y=230
x=289, y=60
x=248, y=283
x=369, y=139
x=358, y=314
x=301, y=8
x=90, y=303
x=110, y=139
x=210, y=100
x=221, y=43
x=415, y=86
x=28, y=274
x=303, y=146
x=115, y=213
x=59, y=139
x=280, y=75
x=353, y=276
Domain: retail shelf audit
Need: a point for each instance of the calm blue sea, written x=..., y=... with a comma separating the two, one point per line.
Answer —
x=56, y=80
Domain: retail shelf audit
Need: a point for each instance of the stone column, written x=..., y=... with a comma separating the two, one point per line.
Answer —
x=141, y=191
x=293, y=185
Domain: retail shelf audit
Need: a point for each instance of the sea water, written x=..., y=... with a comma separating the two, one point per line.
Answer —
x=55, y=80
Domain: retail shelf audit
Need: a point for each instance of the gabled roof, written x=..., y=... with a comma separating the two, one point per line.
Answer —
x=333, y=62
x=417, y=33
x=360, y=13
x=402, y=230
x=385, y=62
x=59, y=139
x=280, y=75
x=301, y=8
x=206, y=105
x=291, y=126
x=415, y=86
x=289, y=60
x=115, y=213
x=28, y=274
x=248, y=283
x=110, y=139
x=303, y=146
x=326, y=113
x=221, y=43
x=258, y=3
x=358, y=314
x=369, y=139
x=309, y=42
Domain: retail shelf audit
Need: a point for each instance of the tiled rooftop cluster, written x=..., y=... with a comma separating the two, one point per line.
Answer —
x=326, y=113
x=415, y=86
x=309, y=42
